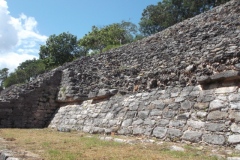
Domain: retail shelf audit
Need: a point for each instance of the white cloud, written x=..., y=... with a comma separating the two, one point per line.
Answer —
x=19, y=38
x=11, y=60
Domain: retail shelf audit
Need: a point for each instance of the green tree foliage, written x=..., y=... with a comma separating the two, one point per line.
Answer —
x=24, y=72
x=169, y=12
x=59, y=49
x=111, y=35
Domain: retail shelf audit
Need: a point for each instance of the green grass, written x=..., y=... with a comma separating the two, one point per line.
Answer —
x=53, y=145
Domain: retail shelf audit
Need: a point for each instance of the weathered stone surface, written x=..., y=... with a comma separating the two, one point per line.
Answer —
x=192, y=136
x=201, y=105
x=186, y=105
x=215, y=127
x=143, y=114
x=177, y=148
x=174, y=132
x=196, y=124
x=217, y=115
x=155, y=82
x=137, y=122
x=235, y=105
x=159, y=132
x=214, y=139
x=234, y=97
x=138, y=131
x=234, y=139
x=233, y=158
x=156, y=112
x=163, y=122
x=169, y=114
x=223, y=90
x=183, y=116
x=127, y=122
x=177, y=123
x=201, y=114
x=235, y=116
x=235, y=128
x=216, y=105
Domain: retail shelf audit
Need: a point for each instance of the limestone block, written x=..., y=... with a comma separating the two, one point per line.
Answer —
x=169, y=114
x=126, y=122
x=138, y=130
x=217, y=104
x=174, y=106
x=215, y=127
x=233, y=158
x=172, y=132
x=149, y=122
x=234, y=139
x=235, y=128
x=192, y=136
x=177, y=123
x=183, y=116
x=137, y=122
x=196, y=124
x=159, y=132
x=156, y=112
x=223, y=90
x=186, y=105
x=234, y=116
x=235, y=105
x=217, y=115
x=234, y=97
x=143, y=114
x=201, y=114
x=163, y=122
x=214, y=139
x=201, y=106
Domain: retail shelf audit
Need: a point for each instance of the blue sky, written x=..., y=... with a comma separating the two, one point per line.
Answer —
x=78, y=16
x=26, y=24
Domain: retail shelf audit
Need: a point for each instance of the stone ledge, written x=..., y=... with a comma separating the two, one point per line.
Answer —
x=229, y=75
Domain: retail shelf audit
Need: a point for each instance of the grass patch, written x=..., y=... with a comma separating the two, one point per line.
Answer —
x=53, y=145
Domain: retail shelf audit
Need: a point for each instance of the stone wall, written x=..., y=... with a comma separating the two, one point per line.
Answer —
x=181, y=84
x=200, y=46
x=30, y=105
x=202, y=115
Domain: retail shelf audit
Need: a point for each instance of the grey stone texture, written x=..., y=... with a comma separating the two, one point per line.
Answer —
x=179, y=84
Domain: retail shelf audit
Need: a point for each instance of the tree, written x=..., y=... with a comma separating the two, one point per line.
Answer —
x=24, y=72
x=110, y=35
x=32, y=68
x=59, y=49
x=169, y=12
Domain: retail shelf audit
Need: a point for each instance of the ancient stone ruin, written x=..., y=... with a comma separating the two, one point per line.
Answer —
x=181, y=84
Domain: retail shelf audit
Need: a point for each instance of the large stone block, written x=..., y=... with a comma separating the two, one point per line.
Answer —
x=196, y=124
x=159, y=132
x=174, y=132
x=234, y=116
x=186, y=105
x=217, y=104
x=215, y=127
x=192, y=136
x=217, y=115
x=214, y=139
x=224, y=90
x=234, y=139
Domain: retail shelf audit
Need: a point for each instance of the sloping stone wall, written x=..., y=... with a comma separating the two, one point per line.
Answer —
x=200, y=46
x=30, y=105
